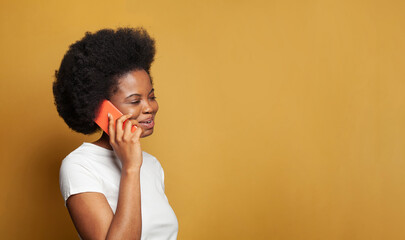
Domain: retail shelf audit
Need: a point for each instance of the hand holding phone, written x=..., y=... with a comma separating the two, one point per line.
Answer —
x=102, y=117
x=129, y=152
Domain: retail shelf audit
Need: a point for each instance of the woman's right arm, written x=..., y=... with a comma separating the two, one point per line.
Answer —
x=91, y=213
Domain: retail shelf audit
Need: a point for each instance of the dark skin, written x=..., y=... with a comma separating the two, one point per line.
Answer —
x=90, y=211
x=128, y=105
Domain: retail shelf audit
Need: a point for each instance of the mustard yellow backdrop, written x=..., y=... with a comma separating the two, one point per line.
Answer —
x=279, y=119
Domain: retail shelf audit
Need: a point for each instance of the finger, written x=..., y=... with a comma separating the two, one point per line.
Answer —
x=118, y=126
x=111, y=130
x=127, y=129
x=135, y=125
x=138, y=132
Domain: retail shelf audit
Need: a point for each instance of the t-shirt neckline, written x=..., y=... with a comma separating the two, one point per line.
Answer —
x=99, y=148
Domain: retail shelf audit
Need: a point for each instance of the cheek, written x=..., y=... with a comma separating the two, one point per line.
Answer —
x=134, y=111
x=155, y=107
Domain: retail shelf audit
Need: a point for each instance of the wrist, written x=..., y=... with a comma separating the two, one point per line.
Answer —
x=131, y=169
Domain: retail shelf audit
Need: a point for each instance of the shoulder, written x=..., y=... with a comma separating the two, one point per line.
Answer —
x=77, y=159
x=86, y=156
x=77, y=174
x=78, y=167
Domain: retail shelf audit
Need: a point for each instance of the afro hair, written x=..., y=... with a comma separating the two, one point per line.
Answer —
x=90, y=68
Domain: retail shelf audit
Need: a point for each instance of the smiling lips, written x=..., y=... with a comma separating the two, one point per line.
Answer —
x=147, y=123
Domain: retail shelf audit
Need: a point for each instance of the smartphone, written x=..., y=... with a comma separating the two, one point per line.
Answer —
x=102, y=117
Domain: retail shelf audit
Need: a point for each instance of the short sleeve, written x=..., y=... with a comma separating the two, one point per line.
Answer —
x=77, y=177
x=163, y=178
x=161, y=172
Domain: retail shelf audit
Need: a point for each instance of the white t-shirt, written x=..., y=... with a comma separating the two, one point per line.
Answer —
x=91, y=168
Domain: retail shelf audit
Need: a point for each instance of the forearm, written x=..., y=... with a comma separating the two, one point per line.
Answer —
x=127, y=221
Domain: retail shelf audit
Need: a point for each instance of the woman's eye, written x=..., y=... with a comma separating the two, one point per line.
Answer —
x=138, y=101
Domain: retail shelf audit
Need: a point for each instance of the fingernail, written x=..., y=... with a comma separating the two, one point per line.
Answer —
x=108, y=114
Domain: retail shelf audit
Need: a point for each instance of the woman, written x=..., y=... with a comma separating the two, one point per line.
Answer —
x=112, y=189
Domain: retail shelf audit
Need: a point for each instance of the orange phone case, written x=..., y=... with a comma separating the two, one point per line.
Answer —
x=102, y=117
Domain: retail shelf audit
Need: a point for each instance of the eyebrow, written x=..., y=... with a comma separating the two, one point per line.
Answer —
x=137, y=94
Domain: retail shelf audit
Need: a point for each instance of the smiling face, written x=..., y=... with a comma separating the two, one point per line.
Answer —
x=136, y=95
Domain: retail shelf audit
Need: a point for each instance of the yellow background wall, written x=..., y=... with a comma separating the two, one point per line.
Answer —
x=278, y=119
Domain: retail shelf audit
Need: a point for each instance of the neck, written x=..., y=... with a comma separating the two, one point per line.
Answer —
x=104, y=141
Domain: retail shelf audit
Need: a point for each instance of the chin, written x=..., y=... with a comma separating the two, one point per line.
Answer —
x=147, y=133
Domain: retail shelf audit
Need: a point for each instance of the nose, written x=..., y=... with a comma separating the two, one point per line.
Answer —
x=147, y=108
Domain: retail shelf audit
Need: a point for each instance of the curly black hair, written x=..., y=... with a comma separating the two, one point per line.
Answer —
x=90, y=69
